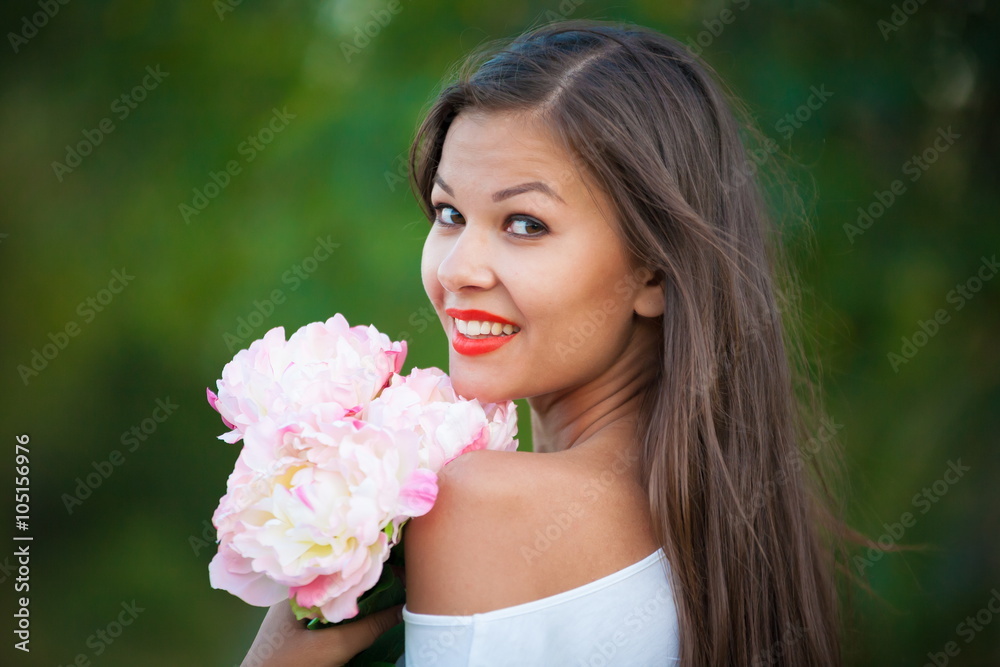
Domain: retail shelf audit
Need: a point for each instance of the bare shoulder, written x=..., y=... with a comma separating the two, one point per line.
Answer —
x=465, y=534
x=511, y=527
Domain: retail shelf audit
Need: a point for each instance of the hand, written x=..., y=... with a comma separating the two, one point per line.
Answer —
x=283, y=641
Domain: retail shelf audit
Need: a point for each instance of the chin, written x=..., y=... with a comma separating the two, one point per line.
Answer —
x=485, y=389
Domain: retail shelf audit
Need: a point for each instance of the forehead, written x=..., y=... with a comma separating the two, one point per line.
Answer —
x=494, y=147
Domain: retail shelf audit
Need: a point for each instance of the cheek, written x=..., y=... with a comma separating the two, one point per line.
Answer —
x=592, y=319
x=429, y=262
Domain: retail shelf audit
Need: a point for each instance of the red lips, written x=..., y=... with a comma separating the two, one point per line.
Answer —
x=476, y=346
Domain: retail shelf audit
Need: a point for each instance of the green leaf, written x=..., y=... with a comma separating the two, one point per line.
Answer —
x=385, y=651
x=303, y=612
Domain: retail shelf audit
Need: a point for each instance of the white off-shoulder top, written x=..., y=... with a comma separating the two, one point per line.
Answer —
x=625, y=618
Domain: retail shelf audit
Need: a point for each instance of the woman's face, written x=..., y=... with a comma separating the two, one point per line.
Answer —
x=519, y=236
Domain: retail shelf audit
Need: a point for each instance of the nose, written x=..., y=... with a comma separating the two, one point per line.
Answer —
x=468, y=263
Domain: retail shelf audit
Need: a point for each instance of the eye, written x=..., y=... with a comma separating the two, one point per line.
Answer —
x=520, y=226
x=526, y=224
x=448, y=215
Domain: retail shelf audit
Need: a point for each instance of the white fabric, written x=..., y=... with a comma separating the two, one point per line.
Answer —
x=625, y=618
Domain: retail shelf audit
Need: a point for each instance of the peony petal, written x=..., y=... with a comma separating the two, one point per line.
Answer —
x=231, y=572
x=213, y=399
x=418, y=495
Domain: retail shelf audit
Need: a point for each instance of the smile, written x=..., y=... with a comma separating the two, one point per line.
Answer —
x=477, y=332
x=480, y=344
x=480, y=328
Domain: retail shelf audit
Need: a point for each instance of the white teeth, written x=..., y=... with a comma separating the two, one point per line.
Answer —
x=479, y=328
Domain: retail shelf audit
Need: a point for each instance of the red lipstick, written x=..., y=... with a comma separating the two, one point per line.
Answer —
x=475, y=346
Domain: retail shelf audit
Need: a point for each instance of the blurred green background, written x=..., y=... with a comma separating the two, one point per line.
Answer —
x=853, y=91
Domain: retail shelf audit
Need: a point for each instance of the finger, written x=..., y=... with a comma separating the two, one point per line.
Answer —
x=359, y=635
x=273, y=637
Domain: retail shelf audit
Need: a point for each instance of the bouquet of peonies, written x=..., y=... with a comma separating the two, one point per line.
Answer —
x=339, y=451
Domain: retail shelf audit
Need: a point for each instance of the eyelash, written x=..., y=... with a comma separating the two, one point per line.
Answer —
x=439, y=207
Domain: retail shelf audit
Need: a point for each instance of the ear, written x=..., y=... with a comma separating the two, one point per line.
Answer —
x=649, y=295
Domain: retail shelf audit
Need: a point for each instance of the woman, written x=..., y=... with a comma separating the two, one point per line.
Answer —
x=600, y=246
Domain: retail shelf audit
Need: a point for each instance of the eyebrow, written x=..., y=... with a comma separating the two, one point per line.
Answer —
x=506, y=193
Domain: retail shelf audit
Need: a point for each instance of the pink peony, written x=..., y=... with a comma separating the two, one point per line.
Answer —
x=327, y=366
x=339, y=452
x=449, y=425
x=318, y=527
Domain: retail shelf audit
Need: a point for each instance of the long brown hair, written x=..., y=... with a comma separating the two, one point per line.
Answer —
x=729, y=425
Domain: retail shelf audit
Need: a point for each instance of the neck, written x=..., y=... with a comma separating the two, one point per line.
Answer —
x=604, y=412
